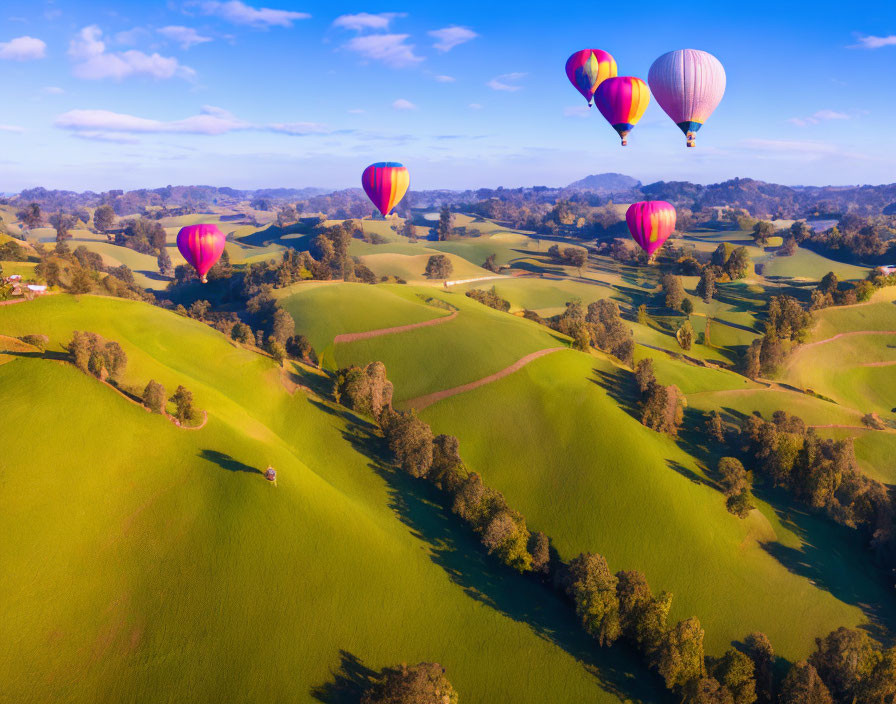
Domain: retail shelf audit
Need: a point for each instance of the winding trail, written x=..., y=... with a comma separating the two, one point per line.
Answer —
x=422, y=402
x=355, y=336
x=847, y=334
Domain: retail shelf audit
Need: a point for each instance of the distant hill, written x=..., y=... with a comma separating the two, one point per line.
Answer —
x=605, y=183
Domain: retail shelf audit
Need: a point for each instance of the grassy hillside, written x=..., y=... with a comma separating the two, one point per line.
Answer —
x=195, y=577
x=591, y=476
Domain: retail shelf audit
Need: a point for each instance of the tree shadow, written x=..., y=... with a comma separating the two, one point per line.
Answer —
x=300, y=376
x=453, y=547
x=621, y=387
x=28, y=354
x=349, y=682
x=225, y=461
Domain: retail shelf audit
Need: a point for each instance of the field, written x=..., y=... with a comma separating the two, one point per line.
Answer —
x=214, y=581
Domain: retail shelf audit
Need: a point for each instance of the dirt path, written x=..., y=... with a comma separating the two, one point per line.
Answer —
x=847, y=334
x=879, y=364
x=422, y=402
x=355, y=336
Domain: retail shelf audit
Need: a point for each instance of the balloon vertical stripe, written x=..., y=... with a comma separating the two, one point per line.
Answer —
x=588, y=68
x=201, y=246
x=651, y=223
x=622, y=101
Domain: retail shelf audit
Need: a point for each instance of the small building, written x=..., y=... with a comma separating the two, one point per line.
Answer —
x=888, y=270
x=37, y=289
x=271, y=474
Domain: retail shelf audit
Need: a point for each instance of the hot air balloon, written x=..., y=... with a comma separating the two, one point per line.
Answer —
x=650, y=222
x=688, y=85
x=201, y=246
x=588, y=68
x=385, y=183
x=622, y=101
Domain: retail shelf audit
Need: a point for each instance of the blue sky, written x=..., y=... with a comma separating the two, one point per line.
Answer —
x=125, y=94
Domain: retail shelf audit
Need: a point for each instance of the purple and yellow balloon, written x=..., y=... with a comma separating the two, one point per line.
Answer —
x=650, y=222
x=385, y=183
x=622, y=101
x=688, y=84
x=201, y=246
x=587, y=69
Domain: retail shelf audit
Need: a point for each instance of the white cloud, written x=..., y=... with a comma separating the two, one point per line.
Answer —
x=445, y=79
x=185, y=36
x=820, y=116
x=211, y=120
x=23, y=49
x=450, y=37
x=104, y=137
x=238, y=12
x=794, y=150
x=131, y=36
x=475, y=106
x=577, y=111
x=872, y=42
x=366, y=21
x=506, y=82
x=11, y=128
x=388, y=48
x=52, y=90
x=402, y=104
x=93, y=62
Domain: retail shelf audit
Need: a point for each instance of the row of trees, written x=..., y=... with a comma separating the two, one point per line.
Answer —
x=831, y=292
x=489, y=298
x=848, y=666
x=786, y=325
x=662, y=407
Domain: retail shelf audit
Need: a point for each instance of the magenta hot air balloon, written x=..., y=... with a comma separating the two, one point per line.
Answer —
x=587, y=69
x=622, y=101
x=650, y=222
x=201, y=246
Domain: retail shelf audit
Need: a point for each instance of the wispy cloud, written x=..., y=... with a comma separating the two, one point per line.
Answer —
x=872, y=42
x=820, y=116
x=237, y=12
x=211, y=120
x=506, y=82
x=11, y=128
x=93, y=62
x=796, y=150
x=402, y=104
x=366, y=21
x=23, y=49
x=391, y=49
x=445, y=79
x=185, y=36
x=449, y=37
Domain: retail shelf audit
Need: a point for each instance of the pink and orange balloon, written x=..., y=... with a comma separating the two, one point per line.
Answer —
x=650, y=222
x=622, y=101
x=385, y=183
x=588, y=68
x=201, y=246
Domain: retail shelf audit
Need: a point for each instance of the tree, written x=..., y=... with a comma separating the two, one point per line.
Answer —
x=410, y=440
x=300, y=348
x=642, y=615
x=685, y=335
x=829, y=283
x=242, y=333
x=199, y=309
x=438, y=267
x=706, y=287
x=283, y=326
x=715, y=427
x=760, y=650
x=183, y=402
x=687, y=307
x=62, y=223
x=446, y=222
x=734, y=476
x=506, y=536
x=489, y=264
x=592, y=587
x=31, y=216
x=447, y=469
x=879, y=687
x=154, y=396
x=674, y=291
x=424, y=683
x=680, y=655
x=644, y=374
x=79, y=349
x=276, y=349
x=707, y=690
x=163, y=261
x=576, y=257
x=735, y=671
x=643, y=318
x=738, y=263
x=103, y=217
x=762, y=230
x=843, y=659
x=81, y=282
x=607, y=330
x=540, y=549
x=802, y=685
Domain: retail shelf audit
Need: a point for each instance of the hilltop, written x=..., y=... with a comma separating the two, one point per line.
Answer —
x=605, y=183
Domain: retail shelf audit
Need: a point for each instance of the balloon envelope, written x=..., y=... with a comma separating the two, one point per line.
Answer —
x=622, y=101
x=588, y=68
x=201, y=246
x=385, y=183
x=688, y=84
x=651, y=223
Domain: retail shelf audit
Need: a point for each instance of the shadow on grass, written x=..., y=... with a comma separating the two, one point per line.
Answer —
x=320, y=384
x=225, y=461
x=455, y=549
x=350, y=681
x=621, y=386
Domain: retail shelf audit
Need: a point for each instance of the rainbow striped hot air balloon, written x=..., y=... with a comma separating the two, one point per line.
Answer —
x=588, y=68
x=385, y=183
x=622, y=101
x=688, y=85
x=201, y=246
x=650, y=222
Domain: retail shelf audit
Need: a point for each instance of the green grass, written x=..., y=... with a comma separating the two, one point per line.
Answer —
x=140, y=558
x=478, y=342
x=805, y=264
x=545, y=296
x=593, y=478
x=411, y=268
